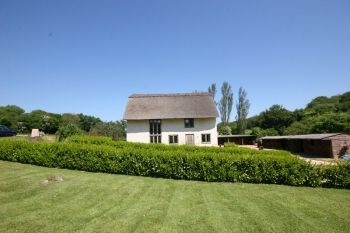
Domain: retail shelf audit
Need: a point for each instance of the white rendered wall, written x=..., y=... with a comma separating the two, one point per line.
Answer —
x=138, y=131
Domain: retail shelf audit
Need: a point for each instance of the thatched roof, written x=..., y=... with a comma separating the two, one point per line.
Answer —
x=169, y=106
x=321, y=136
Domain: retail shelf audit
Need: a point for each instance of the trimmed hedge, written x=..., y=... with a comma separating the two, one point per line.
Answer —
x=201, y=166
x=232, y=150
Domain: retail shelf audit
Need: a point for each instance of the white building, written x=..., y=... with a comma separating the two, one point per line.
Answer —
x=188, y=118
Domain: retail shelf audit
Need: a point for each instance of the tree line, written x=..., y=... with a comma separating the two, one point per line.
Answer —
x=322, y=115
x=63, y=124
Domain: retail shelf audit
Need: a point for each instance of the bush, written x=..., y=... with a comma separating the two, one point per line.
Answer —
x=68, y=130
x=231, y=150
x=336, y=176
x=186, y=163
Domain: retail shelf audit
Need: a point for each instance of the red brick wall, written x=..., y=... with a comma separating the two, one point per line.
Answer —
x=340, y=145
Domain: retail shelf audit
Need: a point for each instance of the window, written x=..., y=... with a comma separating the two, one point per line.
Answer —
x=189, y=123
x=156, y=139
x=173, y=139
x=155, y=131
x=205, y=138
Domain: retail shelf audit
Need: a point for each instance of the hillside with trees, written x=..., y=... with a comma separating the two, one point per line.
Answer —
x=64, y=124
x=322, y=115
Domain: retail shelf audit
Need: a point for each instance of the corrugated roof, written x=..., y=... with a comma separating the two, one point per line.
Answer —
x=168, y=106
x=305, y=136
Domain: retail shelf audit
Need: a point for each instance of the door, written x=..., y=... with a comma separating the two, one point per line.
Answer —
x=190, y=139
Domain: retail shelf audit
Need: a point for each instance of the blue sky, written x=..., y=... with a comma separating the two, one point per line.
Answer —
x=89, y=56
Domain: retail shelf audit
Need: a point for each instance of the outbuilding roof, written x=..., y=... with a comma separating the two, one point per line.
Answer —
x=321, y=136
x=237, y=136
x=168, y=106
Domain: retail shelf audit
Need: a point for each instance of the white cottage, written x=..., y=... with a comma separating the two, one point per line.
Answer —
x=188, y=118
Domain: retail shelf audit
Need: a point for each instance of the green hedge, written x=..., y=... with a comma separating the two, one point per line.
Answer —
x=202, y=166
x=232, y=150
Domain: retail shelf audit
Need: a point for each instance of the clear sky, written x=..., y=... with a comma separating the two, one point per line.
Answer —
x=88, y=56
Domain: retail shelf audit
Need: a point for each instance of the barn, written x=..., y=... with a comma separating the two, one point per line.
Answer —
x=319, y=145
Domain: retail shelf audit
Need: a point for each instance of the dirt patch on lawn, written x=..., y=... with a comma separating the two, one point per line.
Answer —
x=53, y=179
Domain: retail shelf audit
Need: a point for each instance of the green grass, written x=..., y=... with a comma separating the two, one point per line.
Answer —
x=94, y=202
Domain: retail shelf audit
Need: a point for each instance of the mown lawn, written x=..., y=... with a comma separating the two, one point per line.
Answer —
x=94, y=202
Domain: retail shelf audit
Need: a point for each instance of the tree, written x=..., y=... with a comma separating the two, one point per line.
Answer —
x=297, y=128
x=224, y=129
x=330, y=123
x=259, y=133
x=276, y=117
x=344, y=103
x=116, y=130
x=70, y=118
x=68, y=130
x=9, y=115
x=50, y=123
x=226, y=102
x=242, y=106
x=39, y=119
x=322, y=104
x=87, y=122
x=212, y=90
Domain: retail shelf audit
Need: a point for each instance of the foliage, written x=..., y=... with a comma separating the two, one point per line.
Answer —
x=226, y=102
x=331, y=123
x=116, y=130
x=68, y=130
x=87, y=122
x=322, y=115
x=229, y=164
x=82, y=139
x=234, y=127
x=336, y=176
x=276, y=117
x=344, y=103
x=322, y=105
x=212, y=90
x=242, y=106
x=224, y=129
x=38, y=119
x=70, y=118
x=9, y=115
x=259, y=133
x=297, y=128
x=15, y=117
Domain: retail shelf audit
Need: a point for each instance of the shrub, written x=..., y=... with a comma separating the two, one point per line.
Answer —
x=68, y=130
x=230, y=150
x=336, y=176
x=186, y=163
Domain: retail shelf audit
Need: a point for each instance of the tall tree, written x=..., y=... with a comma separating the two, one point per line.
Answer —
x=242, y=106
x=226, y=102
x=212, y=90
x=276, y=117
